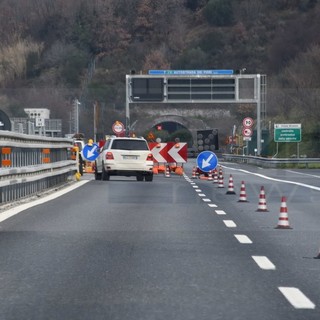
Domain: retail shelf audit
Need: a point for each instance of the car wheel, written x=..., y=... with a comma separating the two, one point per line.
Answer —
x=149, y=177
x=97, y=175
x=81, y=163
x=105, y=175
x=139, y=177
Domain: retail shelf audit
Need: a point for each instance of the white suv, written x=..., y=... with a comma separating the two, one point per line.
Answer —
x=124, y=156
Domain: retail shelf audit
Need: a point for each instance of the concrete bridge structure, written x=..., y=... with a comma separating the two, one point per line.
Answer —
x=190, y=117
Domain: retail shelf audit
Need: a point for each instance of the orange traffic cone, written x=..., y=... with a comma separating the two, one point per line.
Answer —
x=262, y=206
x=283, y=222
x=230, y=186
x=179, y=171
x=318, y=256
x=167, y=174
x=155, y=169
x=194, y=170
x=161, y=168
x=243, y=195
x=220, y=180
x=215, y=176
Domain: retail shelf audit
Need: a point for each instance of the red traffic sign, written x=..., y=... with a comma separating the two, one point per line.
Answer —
x=118, y=127
x=247, y=122
x=247, y=132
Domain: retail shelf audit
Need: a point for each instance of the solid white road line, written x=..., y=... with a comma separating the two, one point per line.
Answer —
x=297, y=298
x=11, y=212
x=242, y=238
x=264, y=263
x=230, y=223
x=220, y=212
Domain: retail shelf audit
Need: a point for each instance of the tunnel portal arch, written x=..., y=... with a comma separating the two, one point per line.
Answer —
x=192, y=125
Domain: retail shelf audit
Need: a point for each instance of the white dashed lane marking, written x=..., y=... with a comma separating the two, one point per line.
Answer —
x=297, y=298
x=230, y=223
x=220, y=212
x=242, y=238
x=264, y=263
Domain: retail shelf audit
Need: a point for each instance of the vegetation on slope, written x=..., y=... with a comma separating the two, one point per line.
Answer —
x=52, y=52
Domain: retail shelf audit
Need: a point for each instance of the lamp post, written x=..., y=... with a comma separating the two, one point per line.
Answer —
x=76, y=105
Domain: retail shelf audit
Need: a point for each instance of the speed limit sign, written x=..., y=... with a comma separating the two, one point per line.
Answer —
x=118, y=127
x=247, y=122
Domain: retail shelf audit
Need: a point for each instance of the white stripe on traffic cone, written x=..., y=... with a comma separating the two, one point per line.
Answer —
x=243, y=195
x=262, y=206
x=230, y=186
x=194, y=170
x=215, y=176
x=167, y=174
x=283, y=222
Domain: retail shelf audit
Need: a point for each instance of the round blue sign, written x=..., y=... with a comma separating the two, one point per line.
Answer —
x=207, y=161
x=90, y=152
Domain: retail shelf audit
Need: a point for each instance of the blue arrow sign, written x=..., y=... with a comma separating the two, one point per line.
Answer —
x=90, y=152
x=191, y=72
x=207, y=161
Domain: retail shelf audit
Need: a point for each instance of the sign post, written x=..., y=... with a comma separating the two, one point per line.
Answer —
x=247, y=132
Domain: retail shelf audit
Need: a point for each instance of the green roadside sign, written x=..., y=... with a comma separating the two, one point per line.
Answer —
x=290, y=132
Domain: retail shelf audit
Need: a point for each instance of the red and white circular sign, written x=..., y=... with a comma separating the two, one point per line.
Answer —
x=247, y=122
x=118, y=127
x=247, y=132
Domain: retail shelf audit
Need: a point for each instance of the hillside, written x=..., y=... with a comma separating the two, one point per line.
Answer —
x=54, y=51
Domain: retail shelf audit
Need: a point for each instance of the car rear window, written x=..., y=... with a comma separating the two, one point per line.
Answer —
x=129, y=145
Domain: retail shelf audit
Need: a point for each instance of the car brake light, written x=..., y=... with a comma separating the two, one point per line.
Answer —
x=150, y=157
x=109, y=156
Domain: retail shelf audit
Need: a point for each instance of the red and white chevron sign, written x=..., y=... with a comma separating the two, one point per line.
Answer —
x=169, y=152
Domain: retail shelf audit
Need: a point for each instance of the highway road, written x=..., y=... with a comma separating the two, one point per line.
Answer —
x=175, y=248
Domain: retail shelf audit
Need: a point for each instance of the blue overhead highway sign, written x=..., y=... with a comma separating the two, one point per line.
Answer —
x=191, y=72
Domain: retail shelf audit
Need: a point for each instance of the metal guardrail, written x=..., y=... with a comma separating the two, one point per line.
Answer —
x=30, y=164
x=271, y=162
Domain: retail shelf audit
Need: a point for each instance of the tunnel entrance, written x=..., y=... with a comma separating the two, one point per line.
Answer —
x=171, y=130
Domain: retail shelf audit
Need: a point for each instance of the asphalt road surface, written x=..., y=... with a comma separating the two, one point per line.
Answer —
x=175, y=248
